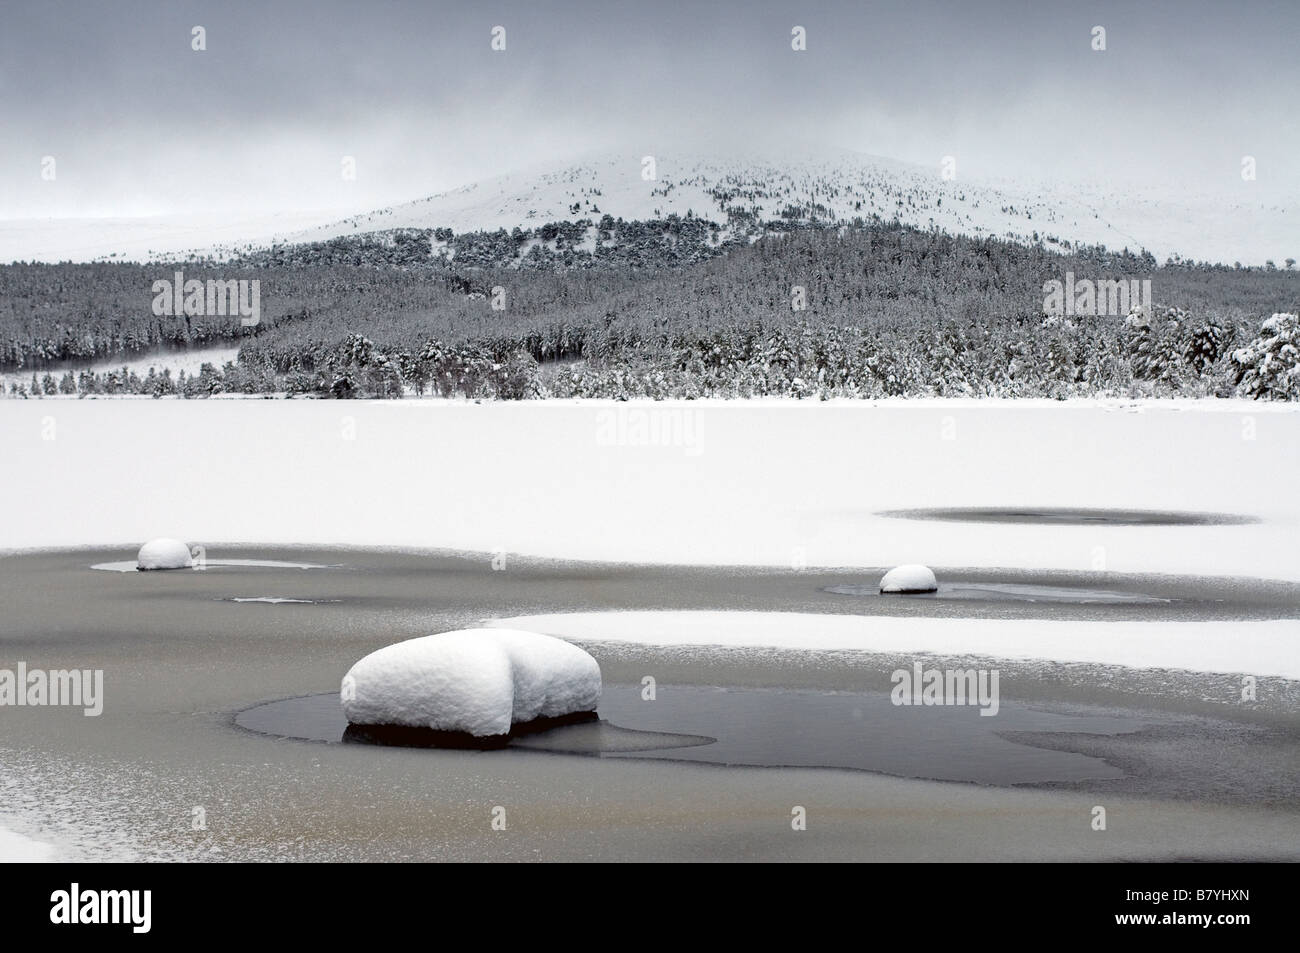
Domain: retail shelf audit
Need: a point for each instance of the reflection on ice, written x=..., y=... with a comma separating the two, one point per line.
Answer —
x=129, y=565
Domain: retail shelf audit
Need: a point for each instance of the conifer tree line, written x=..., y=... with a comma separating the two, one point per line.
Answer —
x=667, y=308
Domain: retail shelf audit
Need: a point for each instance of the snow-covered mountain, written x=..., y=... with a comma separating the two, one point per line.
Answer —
x=739, y=193
x=843, y=186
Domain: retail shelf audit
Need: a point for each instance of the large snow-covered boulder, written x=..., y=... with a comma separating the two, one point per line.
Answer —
x=477, y=681
x=164, y=554
x=909, y=578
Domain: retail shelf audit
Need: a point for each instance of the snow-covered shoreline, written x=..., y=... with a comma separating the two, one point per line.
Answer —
x=1237, y=405
x=175, y=360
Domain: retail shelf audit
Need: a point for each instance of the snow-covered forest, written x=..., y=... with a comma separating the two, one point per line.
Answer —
x=881, y=310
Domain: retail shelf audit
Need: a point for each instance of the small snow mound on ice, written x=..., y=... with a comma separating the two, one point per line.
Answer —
x=909, y=578
x=164, y=554
x=479, y=681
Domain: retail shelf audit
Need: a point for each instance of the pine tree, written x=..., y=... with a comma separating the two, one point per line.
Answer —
x=1269, y=367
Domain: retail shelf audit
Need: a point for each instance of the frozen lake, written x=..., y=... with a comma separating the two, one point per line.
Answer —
x=736, y=736
x=732, y=558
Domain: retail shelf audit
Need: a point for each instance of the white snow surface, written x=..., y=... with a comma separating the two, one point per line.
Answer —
x=17, y=849
x=765, y=483
x=479, y=681
x=272, y=600
x=124, y=565
x=912, y=577
x=164, y=553
x=1254, y=648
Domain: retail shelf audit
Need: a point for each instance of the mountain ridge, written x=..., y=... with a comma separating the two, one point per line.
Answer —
x=740, y=194
x=744, y=195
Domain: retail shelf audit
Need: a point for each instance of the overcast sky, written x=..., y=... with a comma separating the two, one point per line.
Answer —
x=139, y=123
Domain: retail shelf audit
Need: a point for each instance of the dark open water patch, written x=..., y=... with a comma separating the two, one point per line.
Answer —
x=320, y=718
x=777, y=728
x=1071, y=516
x=1008, y=592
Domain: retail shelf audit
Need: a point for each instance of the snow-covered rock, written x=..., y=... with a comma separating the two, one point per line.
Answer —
x=909, y=578
x=164, y=554
x=478, y=681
